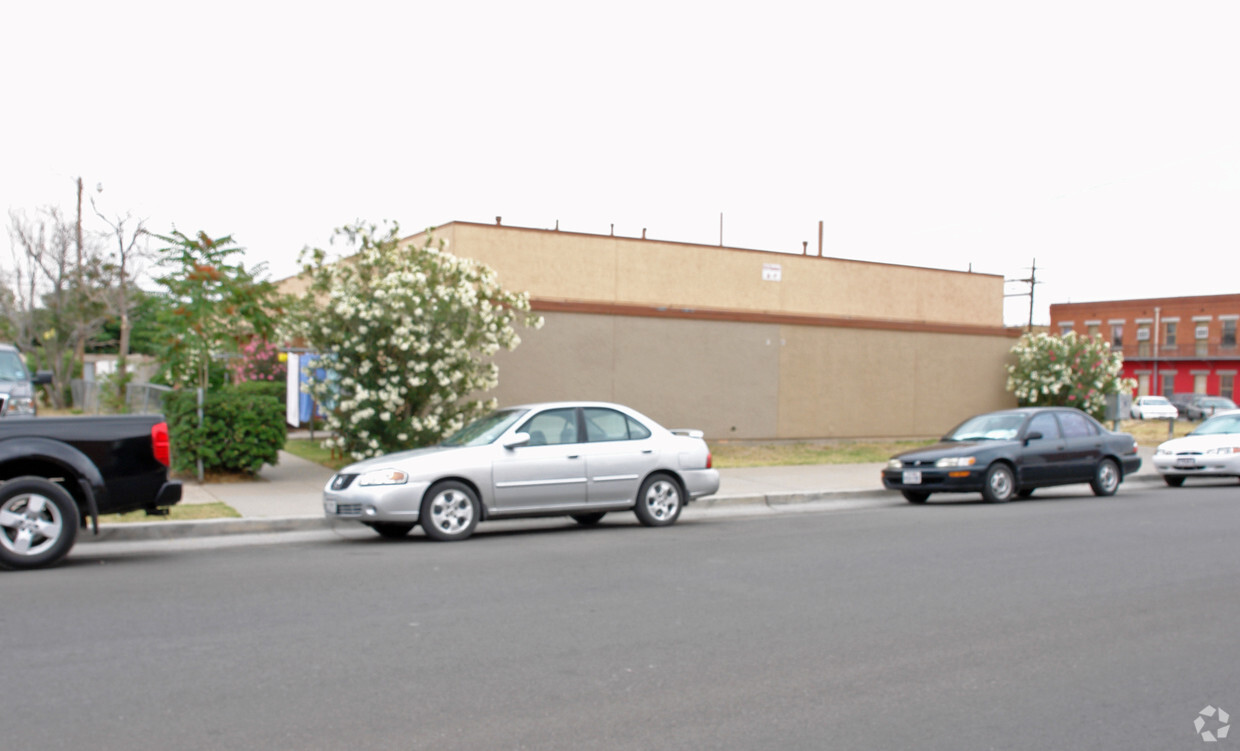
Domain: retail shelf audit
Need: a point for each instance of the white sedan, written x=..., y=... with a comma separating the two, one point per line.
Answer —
x=1153, y=408
x=1212, y=450
x=577, y=459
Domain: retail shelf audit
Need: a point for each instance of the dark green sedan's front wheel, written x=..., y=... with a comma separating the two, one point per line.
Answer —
x=1000, y=484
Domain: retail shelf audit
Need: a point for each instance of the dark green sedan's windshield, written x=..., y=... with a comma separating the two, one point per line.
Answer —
x=484, y=430
x=987, y=428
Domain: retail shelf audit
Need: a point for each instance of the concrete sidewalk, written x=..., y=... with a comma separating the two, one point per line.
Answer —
x=288, y=496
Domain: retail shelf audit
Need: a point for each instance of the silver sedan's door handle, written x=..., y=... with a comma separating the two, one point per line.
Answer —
x=574, y=456
x=648, y=451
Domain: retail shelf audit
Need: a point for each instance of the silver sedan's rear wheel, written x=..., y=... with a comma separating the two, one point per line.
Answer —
x=659, y=501
x=450, y=511
x=38, y=522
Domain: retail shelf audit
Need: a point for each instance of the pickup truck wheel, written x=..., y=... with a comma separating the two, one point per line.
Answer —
x=38, y=522
x=658, y=502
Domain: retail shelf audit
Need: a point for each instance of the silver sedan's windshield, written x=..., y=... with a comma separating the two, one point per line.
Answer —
x=484, y=430
x=987, y=428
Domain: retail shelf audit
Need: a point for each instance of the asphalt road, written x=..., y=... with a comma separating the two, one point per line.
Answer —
x=1063, y=622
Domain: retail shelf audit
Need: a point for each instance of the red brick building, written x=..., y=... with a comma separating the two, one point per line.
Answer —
x=1170, y=344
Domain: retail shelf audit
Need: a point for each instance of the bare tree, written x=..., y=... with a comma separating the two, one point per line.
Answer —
x=57, y=302
x=129, y=253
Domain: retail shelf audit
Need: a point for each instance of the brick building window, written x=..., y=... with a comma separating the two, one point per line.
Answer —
x=1168, y=384
x=1229, y=333
x=1227, y=386
x=1169, y=329
x=1117, y=335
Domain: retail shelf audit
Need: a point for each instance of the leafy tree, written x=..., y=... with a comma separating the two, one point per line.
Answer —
x=214, y=305
x=406, y=334
x=1066, y=371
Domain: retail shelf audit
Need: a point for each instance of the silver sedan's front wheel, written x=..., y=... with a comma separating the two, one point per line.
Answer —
x=659, y=501
x=450, y=511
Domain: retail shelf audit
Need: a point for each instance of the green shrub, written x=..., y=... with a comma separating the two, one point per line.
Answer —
x=262, y=388
x=243, y=428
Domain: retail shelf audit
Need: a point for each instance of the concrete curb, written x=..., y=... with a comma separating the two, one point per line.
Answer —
x=135, y=531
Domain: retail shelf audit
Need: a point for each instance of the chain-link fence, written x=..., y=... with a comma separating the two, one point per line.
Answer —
x=140, y=398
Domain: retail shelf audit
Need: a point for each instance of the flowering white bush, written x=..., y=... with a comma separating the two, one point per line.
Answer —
x=1066, y=371
x=406, y=334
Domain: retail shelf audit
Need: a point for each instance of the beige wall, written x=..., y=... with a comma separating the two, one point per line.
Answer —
x=761, y=381
x=601, y=269
x=908, y=352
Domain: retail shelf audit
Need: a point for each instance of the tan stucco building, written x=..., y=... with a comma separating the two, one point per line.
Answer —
x=745, y=344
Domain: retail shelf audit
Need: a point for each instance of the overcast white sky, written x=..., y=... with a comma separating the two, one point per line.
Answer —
x=1098, y=137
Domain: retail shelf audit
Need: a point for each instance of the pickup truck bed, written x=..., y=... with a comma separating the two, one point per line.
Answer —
x=55, y=473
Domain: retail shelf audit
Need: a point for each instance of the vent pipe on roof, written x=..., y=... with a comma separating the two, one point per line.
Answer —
x=613, y=229
x=820, y=238
x=499, y=220
x=557, y=225
x=805, y=247
x=643, y=233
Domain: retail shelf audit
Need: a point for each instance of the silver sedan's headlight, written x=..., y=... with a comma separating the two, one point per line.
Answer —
x=956, y=461
x=384, y=477
x=1224, y=450
x=1162, y=450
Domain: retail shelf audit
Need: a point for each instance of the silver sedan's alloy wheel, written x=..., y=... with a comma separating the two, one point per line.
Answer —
x=658, y=502
x=450, y=512
x=38, y=522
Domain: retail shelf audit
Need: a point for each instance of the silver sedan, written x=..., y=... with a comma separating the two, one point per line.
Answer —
x=578, y=459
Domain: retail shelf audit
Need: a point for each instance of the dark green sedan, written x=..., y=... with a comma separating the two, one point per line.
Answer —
x=1010, y=453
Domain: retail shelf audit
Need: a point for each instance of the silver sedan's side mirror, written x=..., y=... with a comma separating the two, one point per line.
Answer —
x=516, y=439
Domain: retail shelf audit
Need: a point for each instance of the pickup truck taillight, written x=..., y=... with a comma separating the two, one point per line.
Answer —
x=160, y=444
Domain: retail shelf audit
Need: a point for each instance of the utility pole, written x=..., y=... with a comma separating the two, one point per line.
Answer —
x=1032, y=281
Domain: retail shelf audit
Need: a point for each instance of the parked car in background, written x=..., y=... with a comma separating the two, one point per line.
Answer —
x=17, y=385
x=577, y=459
x=1212, y=450
x=1200, y=409
x=1153, y=408
x=1011, y=453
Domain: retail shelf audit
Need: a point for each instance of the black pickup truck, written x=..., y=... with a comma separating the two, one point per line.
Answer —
x=58, y=472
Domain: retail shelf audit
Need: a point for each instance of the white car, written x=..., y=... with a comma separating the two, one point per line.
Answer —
x=1153, y=408
x=1212, y=450
x=576, y=459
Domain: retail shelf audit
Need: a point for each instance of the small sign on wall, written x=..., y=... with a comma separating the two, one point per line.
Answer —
x=772, y=272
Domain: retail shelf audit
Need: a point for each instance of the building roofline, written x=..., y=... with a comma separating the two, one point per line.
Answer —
x=1188, y=300
x=768, y=253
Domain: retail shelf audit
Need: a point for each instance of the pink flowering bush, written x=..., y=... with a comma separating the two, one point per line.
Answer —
x=260, y=361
